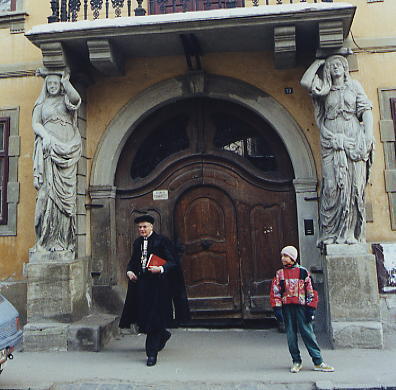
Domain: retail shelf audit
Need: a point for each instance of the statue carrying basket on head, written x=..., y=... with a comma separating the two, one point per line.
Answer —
x=57, y=149
x=343, y=115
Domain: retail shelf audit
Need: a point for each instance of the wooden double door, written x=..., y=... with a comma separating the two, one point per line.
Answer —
x=231, y=248
x=229, y=205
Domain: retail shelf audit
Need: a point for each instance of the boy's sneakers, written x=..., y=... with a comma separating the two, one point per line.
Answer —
x=296, y=367
x=323, y=367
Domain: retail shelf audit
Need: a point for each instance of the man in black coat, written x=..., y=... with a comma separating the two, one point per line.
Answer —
x=151, y=289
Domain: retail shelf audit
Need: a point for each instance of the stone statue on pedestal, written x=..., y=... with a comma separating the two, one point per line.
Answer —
x=57, y=149
x=343, y=115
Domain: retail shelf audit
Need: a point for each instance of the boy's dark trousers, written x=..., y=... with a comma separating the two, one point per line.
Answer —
x=295, y=320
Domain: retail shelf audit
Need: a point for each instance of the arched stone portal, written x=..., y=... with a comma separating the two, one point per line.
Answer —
x=102, y=189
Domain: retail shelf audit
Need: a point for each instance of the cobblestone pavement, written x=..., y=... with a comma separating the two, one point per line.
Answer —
x=202, y=359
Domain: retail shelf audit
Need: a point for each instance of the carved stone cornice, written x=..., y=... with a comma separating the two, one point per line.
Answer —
x=105, y=57
x=331, y=34
x=285, y=47
x=305, y=185
x=54, y=56
x=239, y=29
x=102, y=192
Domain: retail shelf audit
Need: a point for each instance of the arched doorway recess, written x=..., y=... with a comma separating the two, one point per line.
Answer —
x=211, y=177
x=230, y=201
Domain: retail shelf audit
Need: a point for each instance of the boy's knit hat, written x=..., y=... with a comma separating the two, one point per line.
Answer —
x=291, y=251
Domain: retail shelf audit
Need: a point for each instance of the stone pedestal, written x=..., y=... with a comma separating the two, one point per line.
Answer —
x=352, y=297
x=90, y=333
x=57, y=288
x=58, y=257
x=58, y=294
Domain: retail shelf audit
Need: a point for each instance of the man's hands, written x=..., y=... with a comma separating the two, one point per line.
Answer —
x=154, y=270
x=132, y=276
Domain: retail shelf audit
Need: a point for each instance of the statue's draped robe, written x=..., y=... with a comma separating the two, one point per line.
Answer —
x=344, y=167
x=55, y=170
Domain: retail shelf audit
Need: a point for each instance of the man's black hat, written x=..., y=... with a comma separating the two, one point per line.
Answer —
x=144, y=218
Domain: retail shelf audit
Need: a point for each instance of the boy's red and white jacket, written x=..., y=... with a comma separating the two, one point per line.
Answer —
x=289, y=288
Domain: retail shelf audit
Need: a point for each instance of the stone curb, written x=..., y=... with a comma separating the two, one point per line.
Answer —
x=184, y=386
x=320, y=385
x=328, y=385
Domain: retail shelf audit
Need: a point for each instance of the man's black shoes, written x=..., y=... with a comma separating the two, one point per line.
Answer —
x=165, y=338
x=151, y=361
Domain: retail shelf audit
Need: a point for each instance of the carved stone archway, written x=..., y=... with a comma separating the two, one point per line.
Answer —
x=105, y=162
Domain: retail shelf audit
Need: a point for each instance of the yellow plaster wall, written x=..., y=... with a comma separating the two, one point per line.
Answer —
x=373, y=19
x=109, y=95
x=377, y=71
x=20, y=92
x=15, y=48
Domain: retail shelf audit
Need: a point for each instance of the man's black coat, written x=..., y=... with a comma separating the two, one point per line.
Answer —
x=149, y=299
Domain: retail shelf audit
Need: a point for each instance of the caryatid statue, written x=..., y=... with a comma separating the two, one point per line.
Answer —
x=344, y=116
x=57, y=149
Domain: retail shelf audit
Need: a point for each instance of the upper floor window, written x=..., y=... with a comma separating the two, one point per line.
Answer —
x=4, y=135
x=12, y=15
x=171, y=6
x=7, y=5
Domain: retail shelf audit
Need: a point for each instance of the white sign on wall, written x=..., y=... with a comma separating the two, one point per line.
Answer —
x=160, y=195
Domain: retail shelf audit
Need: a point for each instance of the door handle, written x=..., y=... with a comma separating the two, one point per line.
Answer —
x=206, y=244
x=180, y=247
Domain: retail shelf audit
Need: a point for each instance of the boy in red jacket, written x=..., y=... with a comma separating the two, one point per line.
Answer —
x=294, y=302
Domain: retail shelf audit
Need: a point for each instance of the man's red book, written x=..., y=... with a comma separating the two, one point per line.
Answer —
x=155, y=261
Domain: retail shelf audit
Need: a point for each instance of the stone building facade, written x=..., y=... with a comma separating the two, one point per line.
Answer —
x=198, y=118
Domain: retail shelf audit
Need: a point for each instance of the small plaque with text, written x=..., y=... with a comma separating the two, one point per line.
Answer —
x=160, y=195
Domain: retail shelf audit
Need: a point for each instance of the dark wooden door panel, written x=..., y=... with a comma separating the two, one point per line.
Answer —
x=273, y=225
x=206, y=226
x=266, y=239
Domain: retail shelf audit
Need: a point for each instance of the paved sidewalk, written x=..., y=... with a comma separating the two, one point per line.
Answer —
x=202, y=359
